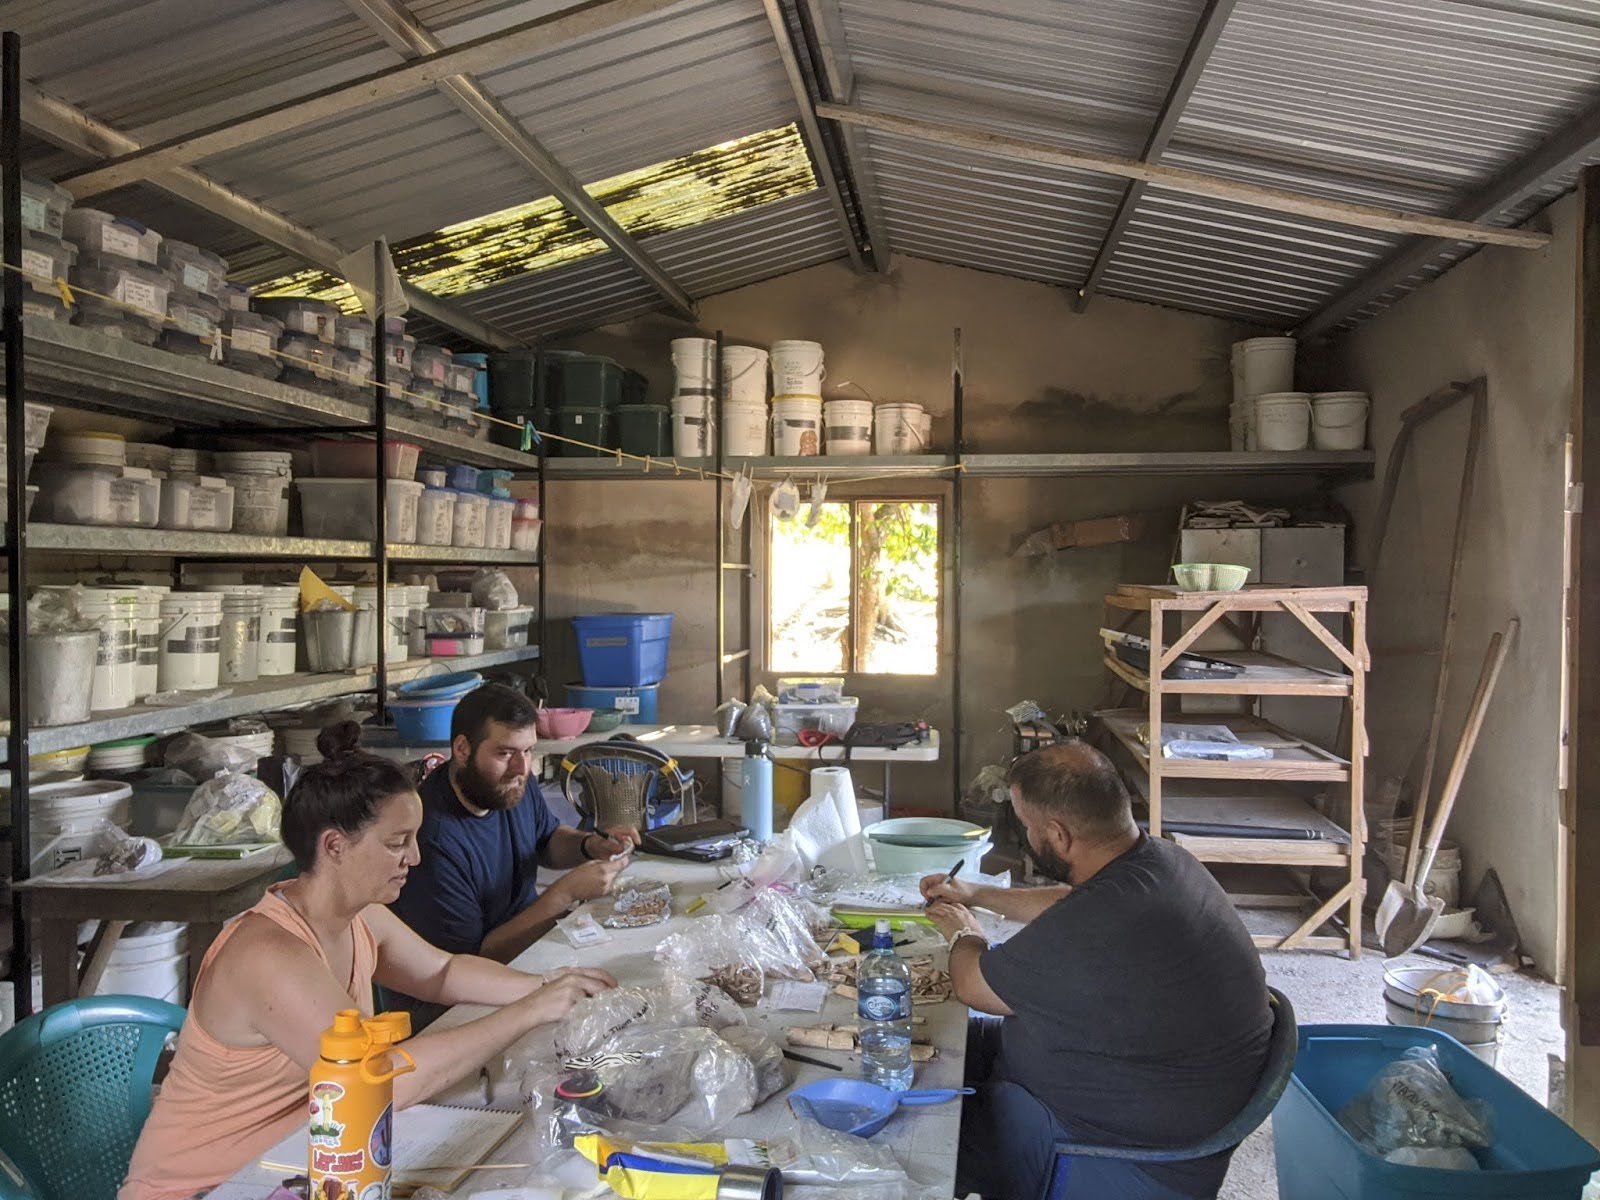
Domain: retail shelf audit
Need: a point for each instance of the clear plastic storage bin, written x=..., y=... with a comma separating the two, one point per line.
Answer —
x=431, y=364
x=97, y=232
x=307, y=363
x=314, y=318
x=44, y=207
x=454, y=632
x=198, y=319
x=140, y=294
x=235, y=297
x=197, y=502
x=347, y=508
x=252, y=343
x=193, y=270
x=44, y=260
x=507, y=628
x=94, y=495
x=790, y=719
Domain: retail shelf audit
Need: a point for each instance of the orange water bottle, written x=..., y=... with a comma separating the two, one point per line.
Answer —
x=352, y=1105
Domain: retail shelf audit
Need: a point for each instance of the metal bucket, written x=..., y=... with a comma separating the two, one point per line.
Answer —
x=340, y=640
x=1409, y=1000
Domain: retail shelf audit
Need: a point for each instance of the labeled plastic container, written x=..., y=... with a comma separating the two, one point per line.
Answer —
x=639, y=705
x=66, y=821
x=898, y=429
x=744, y=375
x=308, y=362
x=260, y=503
x=46, y=259
x=280, y=628
x=44, y=207
x=239, y=644
x=191, y=641
x=197, y=320
x=847, y=426
x=436, y=512
x=235, y=297
x=347, y=508
x=463, y=478
x=197, y=502
x=315, y=319
x=353, y=333
x=352, y=374
x=470, y=522
x=401, y=350
x=140, y=294
x=500, y=516
x=588, y=430
x=1534, y=1154
x=623, y=649
x=745, y=429
x=645, y=429
x=251, y=342
x=102, y=233
x=116, y=612
x=790, y=719
x=194, y=271
x=454, y=632
x=507, y=628
x=354, y=459
x=797, y=426
x=88, y=448
x=96, y=495
x=694, y=365
x=797, y=369
x=478, y=365
x=525, y=528
x=430, y=364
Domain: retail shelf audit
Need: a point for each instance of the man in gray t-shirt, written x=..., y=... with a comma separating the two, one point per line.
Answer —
x=1133, y=1007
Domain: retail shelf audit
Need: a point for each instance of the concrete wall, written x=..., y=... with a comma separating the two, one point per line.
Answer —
x=1507, y=315
x=1039, y=377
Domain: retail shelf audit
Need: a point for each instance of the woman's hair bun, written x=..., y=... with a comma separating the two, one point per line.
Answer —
x=339, y=740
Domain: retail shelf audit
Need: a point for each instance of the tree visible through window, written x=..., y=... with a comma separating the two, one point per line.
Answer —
x=858, y=590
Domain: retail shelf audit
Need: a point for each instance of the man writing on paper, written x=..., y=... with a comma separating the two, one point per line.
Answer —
x=485, y=832
x=1132, y=1008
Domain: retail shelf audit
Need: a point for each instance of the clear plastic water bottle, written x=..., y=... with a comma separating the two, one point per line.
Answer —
x=883, y=1009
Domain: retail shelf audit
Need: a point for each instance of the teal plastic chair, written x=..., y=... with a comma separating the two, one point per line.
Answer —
x=75, y=1085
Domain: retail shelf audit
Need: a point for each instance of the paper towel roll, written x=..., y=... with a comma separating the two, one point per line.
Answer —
x=834, y=787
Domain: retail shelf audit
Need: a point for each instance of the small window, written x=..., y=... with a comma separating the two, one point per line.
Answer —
x=857, y=590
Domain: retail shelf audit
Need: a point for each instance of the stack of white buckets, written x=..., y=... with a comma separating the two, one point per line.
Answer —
x=1268, y=414
x=799, y=422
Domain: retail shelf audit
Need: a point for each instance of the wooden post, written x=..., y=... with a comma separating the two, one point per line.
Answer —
x=1158, y=623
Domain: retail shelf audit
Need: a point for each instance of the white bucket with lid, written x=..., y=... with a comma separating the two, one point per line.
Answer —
x=744, y=430
x=797, y=369
x=191, y=641
x=796, y=426
x=897, y=428
x=280, y=628
x=260, y=503
x=744, y=375
x=1262, y=365
x=1339, y=420
x=240, y=639
x=116, y=666
x=150, y=959
x=64, y=819
x=1283, y=421
x=396, y=616
x=691, y=425
x=147, y=670
x=848, y=424
x=694, y=363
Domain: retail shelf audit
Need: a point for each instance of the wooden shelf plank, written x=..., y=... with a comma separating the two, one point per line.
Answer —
x=1294, y=759
x=1140, y=597
x=1264, y=675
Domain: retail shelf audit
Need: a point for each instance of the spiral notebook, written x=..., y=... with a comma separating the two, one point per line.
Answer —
x=434, y=1144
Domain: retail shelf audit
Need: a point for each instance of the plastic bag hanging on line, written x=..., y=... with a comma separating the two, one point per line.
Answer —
x=819, y=493
x=739, y=499
x=357, y=269
x=786, y=500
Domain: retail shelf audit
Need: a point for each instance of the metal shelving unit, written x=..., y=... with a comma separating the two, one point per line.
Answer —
x=166, y=543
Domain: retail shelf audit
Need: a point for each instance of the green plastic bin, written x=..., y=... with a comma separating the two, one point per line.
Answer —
x=589, y=424
x=645, y=429
x=588, y=381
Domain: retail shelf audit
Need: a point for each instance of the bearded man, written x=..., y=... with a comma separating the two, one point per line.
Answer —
x=1130, y=1010
x=486, y=831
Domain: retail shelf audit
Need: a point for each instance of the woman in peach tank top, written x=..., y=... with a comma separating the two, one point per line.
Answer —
x=273, y=980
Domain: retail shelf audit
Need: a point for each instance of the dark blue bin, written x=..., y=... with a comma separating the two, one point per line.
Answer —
x=1535, y=1156
x=637, y=704
x=626, y=650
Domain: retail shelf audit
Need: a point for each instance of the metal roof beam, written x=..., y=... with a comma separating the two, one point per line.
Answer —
x=409, y=36
x=481, y=54
x=823, y=166
x=1194, y=183
x=1565, y=152
x=1207, y=31
x=838, y=74
x=75, y=130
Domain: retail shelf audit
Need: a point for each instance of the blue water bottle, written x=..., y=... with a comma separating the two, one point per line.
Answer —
x=755, y=807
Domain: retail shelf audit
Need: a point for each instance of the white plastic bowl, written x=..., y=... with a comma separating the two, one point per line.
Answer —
x=915, y=860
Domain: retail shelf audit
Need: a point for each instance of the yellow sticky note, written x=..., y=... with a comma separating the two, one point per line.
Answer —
x=847, y=943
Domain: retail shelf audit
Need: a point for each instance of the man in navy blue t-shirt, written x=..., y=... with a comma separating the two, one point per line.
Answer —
x=486, y=831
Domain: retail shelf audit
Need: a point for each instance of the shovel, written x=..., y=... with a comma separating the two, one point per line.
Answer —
x=1407, y=915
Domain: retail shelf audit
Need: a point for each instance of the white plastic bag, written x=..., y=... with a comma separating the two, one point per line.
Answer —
x=228, y=810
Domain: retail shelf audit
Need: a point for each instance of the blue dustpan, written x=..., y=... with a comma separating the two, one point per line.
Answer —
x=858, y=1107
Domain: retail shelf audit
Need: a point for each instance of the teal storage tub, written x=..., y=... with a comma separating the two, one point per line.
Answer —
x=1535, y=1156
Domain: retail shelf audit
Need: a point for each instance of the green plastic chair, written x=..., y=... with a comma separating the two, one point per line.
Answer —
x=75, y=1085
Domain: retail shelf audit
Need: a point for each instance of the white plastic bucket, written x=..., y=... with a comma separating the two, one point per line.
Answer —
x=64, y=819
x=280, y=629
x=744, y=430
x=744, y=375
x=924, y=430
x=191, y=641
x=1283, y=421
x=691, y=425
x=848, y=424
x=260, y=503
x=1262, y=365
x=150, y=959
x=147, y=669
x=436, y=514
x=397, y=617
x=116, y=665
x=61, y=670
x=797, y=369
x=694, y=363
x=239, y=644
x=796, y=426
x=1339, y=420
x=896, y=428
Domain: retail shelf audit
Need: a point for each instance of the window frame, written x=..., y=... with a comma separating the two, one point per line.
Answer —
x=857, y=501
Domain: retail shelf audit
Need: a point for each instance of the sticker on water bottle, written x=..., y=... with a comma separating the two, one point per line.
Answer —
x=880, y=1007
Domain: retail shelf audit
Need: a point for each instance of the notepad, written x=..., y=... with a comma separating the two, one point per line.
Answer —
x=435, y=1144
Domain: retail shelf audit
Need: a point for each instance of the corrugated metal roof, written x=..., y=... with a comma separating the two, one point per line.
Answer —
x=1412, y=104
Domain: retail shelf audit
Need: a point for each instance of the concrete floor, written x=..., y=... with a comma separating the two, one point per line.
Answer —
x=1326, y=989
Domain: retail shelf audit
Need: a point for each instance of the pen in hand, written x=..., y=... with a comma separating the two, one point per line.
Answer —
x=954, y=871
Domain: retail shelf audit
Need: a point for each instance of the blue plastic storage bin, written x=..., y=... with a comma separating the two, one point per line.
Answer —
x=638, y=703
x=626, y=650
x=1535, y=1156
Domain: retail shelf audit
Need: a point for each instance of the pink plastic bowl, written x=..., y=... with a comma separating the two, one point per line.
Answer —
x=563, y=722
